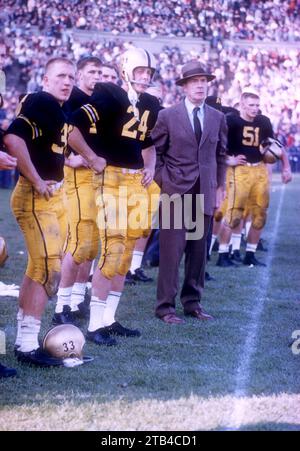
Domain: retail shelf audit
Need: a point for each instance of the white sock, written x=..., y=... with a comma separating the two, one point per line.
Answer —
x=136, y=261
x=213, y=240
x=20, y=316
x=223, y=248
x=251, y=247
x=112, y=303
x=77, y=296
x=236, y=241
x=30, y=328
x=96, y=313
x=63, y=298
x=247, y=228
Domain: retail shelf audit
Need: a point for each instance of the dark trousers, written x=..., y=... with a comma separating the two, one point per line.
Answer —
x=173, y=244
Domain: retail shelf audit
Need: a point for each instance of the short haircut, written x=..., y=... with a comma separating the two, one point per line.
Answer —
x=88, y=60
x=249, y=95
x=111, y=66
x=58, y=59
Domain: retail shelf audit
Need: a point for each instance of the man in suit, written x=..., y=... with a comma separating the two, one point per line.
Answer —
x=190, y=140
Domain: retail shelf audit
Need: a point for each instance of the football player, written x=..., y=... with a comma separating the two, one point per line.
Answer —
x=109, y=73
x=83, y=238
x=38, y=138
x=248, y=179
x=116, y=126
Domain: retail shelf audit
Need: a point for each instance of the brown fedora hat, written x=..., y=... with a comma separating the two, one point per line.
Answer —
x=193, y=69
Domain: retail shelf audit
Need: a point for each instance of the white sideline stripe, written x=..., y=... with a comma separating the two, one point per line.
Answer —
x=242, y=378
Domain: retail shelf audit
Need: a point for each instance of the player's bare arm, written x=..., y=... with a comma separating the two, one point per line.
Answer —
x=7, y=161
x=149, y=157
x=78, y=143
x=18, y=149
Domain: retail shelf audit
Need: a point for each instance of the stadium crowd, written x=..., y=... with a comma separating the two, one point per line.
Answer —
x=272, y=71
x=210, y=20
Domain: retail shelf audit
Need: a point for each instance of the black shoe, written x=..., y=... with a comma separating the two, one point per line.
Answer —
x=208, y=276
x=64, y=317
x=236, y=256
x=83, y=312
x=101, y=337
x=224, y=261
x=38, y=357
x=7, y=372
x=140, y=276
x=261, y=246
x=129, y=280
x=117, y=329
x=215, y=247
x=251, y=260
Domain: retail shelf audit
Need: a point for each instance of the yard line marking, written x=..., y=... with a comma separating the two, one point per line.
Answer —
x=242, y=378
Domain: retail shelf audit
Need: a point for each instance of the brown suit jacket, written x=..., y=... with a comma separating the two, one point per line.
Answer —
x=180, y=161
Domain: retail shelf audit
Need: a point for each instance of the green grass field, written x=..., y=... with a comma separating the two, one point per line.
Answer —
x=236, y=372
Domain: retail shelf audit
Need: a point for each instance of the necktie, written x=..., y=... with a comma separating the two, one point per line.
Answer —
x=197, y=125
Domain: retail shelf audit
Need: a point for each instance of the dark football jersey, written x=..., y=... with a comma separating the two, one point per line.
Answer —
x=42, y=124
x=244, y=137
x=76, y=100
x=112, y=130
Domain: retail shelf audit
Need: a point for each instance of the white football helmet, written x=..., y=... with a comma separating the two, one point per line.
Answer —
x=133, y=58
x=64, y=342
x=271, y=150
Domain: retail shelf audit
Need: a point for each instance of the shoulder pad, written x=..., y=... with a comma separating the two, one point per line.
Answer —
x=42, y=108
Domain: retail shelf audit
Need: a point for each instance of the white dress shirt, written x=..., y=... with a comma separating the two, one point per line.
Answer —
x=190, y=107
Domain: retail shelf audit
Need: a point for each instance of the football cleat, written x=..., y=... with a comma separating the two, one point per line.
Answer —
x=64, y=317
x=224, y=261
x=7, y=372
x=251, y=260
x=101, y=337
x=38, y=357
x=129, y=280
x=117, y=329
x=236, y=256
x=83, y=312
x=261, y=246
x=140, y=276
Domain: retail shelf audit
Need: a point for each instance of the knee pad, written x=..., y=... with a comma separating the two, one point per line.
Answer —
x=259, y=217
x=47, y=274
x=85, y=250
x=110, y=259
x=126, y=257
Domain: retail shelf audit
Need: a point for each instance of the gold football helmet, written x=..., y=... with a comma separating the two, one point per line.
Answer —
x=64, y=342
x=3, y=251
x=271, y=150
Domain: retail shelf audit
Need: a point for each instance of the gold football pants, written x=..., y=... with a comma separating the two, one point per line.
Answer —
x=44, y=226
x=83, y=237
x=248, y=191
x=123, y=217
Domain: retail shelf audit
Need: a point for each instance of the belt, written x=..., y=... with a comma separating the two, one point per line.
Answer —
x=56, y=186
x=130, y=171
x=253, y=164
